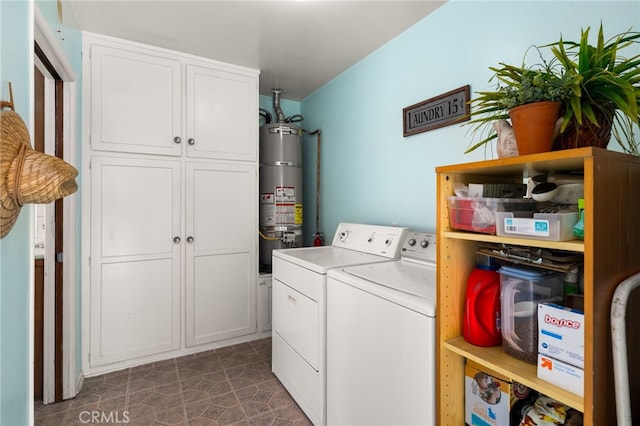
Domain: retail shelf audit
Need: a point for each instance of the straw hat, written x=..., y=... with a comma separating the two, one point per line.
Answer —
x=27, y=176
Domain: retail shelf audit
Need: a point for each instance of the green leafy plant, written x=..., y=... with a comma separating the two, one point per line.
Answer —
x=605, y=97
x=517, y=85
x=598, y=85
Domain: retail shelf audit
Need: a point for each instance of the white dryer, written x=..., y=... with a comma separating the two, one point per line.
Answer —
x=299, y=293
x=381, y=339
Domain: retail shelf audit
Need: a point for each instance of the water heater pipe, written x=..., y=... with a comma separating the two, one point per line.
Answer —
x=318, y=238
x=276, y=106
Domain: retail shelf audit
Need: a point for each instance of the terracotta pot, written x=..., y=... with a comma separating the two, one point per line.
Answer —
x=534, y=125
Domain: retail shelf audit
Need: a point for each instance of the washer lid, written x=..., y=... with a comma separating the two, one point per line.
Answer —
x=321, y=259
x=409, y=284
x=409, y=278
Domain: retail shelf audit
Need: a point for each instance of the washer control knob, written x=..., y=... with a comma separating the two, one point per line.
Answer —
x=387, y=242
x=424, y=243
x=412, y=242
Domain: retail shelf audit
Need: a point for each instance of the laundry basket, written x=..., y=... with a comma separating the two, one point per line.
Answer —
x=619, y=346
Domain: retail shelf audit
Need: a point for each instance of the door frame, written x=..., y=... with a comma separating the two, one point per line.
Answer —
x=71, y=375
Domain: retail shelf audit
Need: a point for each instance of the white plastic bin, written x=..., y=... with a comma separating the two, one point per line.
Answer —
x=542, y=226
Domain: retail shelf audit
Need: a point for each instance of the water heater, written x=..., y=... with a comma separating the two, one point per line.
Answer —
x=280, y=185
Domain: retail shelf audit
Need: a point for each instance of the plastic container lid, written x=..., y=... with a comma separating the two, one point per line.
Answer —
x=532, y=274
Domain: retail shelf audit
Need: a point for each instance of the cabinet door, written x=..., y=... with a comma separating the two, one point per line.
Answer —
x=221, y=270
x=135, y=102
x=135, y=263
x=221, y=114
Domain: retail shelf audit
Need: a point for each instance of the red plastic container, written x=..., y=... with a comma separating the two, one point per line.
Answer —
x=482, y=307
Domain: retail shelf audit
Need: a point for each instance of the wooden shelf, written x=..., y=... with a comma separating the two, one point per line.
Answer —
x=573, y=245
x=610, y=252
x=495, y=360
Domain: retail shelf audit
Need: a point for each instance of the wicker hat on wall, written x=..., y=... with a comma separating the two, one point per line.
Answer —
x=27, y=176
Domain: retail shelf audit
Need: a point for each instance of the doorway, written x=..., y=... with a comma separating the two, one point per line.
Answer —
x=55, y=91
x=49, y=233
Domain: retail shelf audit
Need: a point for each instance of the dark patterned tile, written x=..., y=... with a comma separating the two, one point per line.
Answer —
x=225, y=400
x=289, y=412
x=197, y=409
x=202, y=421
x=78, y=415
x=168, y=389
x=253, y=408
x=266, y=419
x=232, y=415
x=202, y=364
x=171, y=416
x=219, y=388
x=55, y=419
x=114, y=404
x=84, y=399
x=193, y=395
x=247, y=393
x=226, y=386
x=279, y=399
x=41, y=410
x=117, y=378
x=272, y=385
x=140, y=412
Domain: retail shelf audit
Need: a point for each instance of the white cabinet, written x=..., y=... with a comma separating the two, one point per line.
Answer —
x=172, y=203
x=221, y=114
x=135, y=102
x=220, y=296
x=135, y=264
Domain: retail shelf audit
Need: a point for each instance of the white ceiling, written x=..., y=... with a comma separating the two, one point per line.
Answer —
x=297, y=45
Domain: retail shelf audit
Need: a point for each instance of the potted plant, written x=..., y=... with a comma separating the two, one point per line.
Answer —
x=521, y=87
x=606, y=90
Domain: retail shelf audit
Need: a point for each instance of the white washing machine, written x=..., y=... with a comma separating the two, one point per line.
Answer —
x=299, y=311
x=381, y=339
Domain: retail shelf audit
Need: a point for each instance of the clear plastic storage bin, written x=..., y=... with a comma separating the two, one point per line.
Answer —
x=478, y=214
x=521, y=289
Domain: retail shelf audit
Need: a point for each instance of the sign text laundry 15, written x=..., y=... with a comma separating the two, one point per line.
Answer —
x=443, y=110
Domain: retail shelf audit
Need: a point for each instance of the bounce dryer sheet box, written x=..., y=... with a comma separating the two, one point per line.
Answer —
x=561, y=333
x=486, y=398
x=561, y=374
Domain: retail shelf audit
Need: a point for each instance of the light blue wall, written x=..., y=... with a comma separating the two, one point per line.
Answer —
x=15, y=261
x=370, y=172
x=16, y=65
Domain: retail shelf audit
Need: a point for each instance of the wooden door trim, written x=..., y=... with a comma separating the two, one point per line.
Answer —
x=50, y=46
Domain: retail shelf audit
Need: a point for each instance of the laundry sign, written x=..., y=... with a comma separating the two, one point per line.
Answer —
x=443, y=110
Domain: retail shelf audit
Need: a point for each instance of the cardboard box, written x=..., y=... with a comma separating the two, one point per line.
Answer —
x=486, y=398
x=561, y=333
x=561, y=374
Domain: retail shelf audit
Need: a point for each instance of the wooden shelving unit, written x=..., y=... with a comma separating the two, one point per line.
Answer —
x=611, y=250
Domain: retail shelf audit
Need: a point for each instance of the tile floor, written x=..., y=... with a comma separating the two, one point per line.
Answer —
x=226, y=386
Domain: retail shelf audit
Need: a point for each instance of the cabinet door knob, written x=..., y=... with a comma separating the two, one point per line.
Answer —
x=189, y=240
x=177, y=139
x=176, y=240
x=191, y=141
